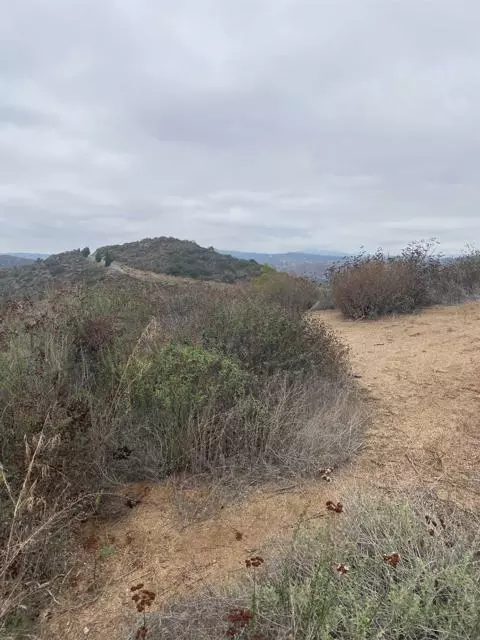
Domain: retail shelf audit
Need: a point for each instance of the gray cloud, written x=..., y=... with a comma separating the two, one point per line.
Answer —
x=252, y=124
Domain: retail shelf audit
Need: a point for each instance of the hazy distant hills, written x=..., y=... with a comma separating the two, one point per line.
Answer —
x=309, y=264
x=31, y=256
x=9, y=261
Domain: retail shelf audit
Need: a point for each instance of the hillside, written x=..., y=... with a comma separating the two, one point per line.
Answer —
x=175, y=257
x=8, y=261
x=34, y=278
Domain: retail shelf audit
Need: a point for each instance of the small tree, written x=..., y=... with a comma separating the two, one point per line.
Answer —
x=86, y=252
x=108, y=259
x=98, y=256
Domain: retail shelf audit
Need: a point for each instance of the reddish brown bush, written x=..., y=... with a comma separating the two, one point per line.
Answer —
x=95, y=334
x=375, y=288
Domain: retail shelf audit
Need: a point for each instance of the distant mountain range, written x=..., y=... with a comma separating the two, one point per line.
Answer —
x=308, y=264
x=8, y=261
x=31, y=256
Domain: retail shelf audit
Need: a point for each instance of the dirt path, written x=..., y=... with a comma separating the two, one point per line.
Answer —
x=422, y=373
x=147, y=276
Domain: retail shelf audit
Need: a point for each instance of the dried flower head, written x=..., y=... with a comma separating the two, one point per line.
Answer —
x=254, y=562
x=238, y=619
x=342, y=569
x=392, y=559
x=142, y=597
x=336, y=507
x=141, y=633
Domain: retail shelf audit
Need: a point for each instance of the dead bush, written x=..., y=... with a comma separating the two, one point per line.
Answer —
x=368, y=286
x=374, y=289
x=285, y=290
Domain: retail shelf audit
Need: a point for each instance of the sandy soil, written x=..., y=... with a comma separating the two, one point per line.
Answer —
x=423, y=377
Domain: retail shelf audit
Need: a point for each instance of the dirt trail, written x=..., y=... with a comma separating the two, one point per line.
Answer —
x=422, y=373
x=147, y=276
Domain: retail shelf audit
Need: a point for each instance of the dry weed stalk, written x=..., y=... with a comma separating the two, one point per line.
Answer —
x=31, y=520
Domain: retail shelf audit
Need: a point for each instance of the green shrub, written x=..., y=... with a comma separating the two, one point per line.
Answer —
x=180, y=379
x=267, y=339
x=85, y=252
x=108, y=258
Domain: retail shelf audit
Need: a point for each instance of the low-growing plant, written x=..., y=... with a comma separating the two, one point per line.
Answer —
x=384, y=571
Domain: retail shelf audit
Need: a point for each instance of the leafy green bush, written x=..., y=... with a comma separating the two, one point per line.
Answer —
x=267, y=339
x=108, y=258
x=180, y=379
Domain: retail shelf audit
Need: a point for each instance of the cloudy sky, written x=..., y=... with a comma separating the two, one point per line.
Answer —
x=266, y=125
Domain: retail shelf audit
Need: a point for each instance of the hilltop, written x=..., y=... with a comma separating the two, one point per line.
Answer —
x=145, y=260
x=175, y=257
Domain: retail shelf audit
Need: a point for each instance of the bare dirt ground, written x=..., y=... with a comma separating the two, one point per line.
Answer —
x=423, y=377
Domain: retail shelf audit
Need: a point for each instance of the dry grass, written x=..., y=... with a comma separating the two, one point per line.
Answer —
x=34, y=533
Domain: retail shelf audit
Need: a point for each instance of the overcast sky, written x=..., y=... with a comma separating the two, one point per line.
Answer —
x=266, y=125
